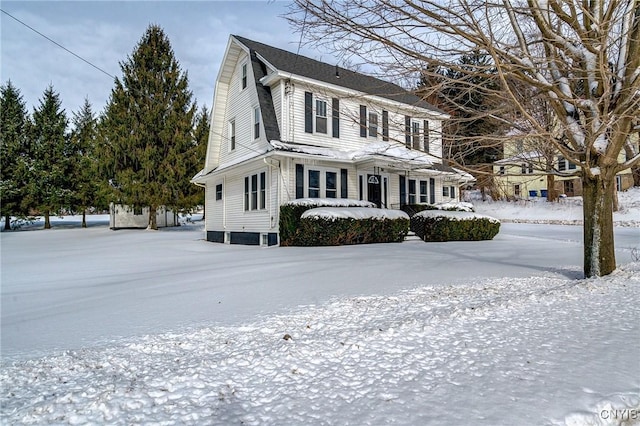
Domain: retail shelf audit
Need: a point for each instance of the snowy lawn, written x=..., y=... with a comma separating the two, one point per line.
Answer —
x=133, y=327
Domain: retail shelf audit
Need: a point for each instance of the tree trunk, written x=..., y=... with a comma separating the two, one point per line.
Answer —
x=84, y=218
x=7, y=222
x=599, y=249
x=551, y=188
x=153, y=225
x=47, y=222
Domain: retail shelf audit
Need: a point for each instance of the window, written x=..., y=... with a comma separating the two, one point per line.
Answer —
x=256, y=122
x=527, y=168
x=314, y=183
x=137, y=211
x=331, y=185
x=452, y=192
x=263, y=190
x=320, y=182
x=385, y=125
x=502, y=170
x=219, y=192
x=516, y=190
x=232, y=134
x=423, y=191
x=321, y=116
x=412, y=191
x=415, y=134
x=244, y=76
x=255, y=191
x=562, y=166
x=363, y=121
x=373, y=124
x=445, y=191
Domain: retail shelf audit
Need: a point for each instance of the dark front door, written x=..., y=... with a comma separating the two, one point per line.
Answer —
x=374, y=192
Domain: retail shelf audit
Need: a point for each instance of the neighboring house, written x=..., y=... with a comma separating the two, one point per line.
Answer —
x=124, y=217
x=522, y=174
x=284, y=126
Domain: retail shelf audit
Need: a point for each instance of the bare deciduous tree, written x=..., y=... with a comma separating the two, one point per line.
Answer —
x=581, y=58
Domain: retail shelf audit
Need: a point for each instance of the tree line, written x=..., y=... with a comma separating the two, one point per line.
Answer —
x=140, y=151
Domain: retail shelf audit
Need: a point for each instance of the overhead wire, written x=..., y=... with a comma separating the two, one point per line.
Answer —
x=57, y=44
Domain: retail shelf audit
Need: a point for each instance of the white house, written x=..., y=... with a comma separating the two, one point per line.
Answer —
x=284, y=126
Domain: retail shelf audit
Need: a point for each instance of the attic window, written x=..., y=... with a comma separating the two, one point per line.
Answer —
x=244, y=76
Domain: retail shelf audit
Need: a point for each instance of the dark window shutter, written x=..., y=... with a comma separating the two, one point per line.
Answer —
x=308, y=112
x=299, y=181
x=407, y=131
x=363, y=121
x=335, y=117
x=343, y=184
x=385, y=126
x=426, y=135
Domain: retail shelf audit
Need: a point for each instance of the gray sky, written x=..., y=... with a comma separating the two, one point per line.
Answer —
x=105, y=32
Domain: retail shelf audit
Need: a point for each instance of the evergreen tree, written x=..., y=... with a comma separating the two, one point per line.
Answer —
x=147, y=127
x=200, y=140
x=49, y=184
x=13, y=133
x=83, y=160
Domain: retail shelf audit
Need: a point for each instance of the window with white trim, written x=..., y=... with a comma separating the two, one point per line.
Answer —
x=321, y=116
x=218, y=192
x=424, y=191
x=244, y=76
x=373, y=125
x=412, y=191
x=256, y=122
x=320, y=182
x=445, y=191
x=232, y=134
x=255, y=188
x=415, y=134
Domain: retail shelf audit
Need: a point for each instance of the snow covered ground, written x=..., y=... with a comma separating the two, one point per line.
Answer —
x=132, y=327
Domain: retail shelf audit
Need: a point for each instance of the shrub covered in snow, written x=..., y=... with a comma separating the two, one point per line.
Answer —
x=331, y=226
x=291, y=212
x=412, y=209
x=440, y=225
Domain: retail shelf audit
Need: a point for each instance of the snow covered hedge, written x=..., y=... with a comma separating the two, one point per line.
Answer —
x=333, y=226
x=441, y=225
x=291, y=212
x=412, y=209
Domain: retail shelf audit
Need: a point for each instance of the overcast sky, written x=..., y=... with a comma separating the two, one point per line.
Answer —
x=105, y=32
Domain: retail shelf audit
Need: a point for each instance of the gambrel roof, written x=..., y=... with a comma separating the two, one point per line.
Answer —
x=293, y=63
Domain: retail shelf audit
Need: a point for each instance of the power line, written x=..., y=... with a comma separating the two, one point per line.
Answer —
x=57, y=44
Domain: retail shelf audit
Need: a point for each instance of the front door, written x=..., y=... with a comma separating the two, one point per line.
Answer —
x=374, y=189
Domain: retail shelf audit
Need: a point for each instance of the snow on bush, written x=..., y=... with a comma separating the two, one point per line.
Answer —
x=442, y=225
x=332, y=213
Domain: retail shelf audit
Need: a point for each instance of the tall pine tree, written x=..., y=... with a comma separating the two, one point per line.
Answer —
x=50, y=183
x=147, y=127
x=13, y=133
x=83, y=160
x=195, y=194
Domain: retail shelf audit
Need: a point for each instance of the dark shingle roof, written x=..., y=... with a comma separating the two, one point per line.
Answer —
x=316, y=70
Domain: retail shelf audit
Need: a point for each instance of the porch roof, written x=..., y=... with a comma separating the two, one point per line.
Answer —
x=379, y=154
